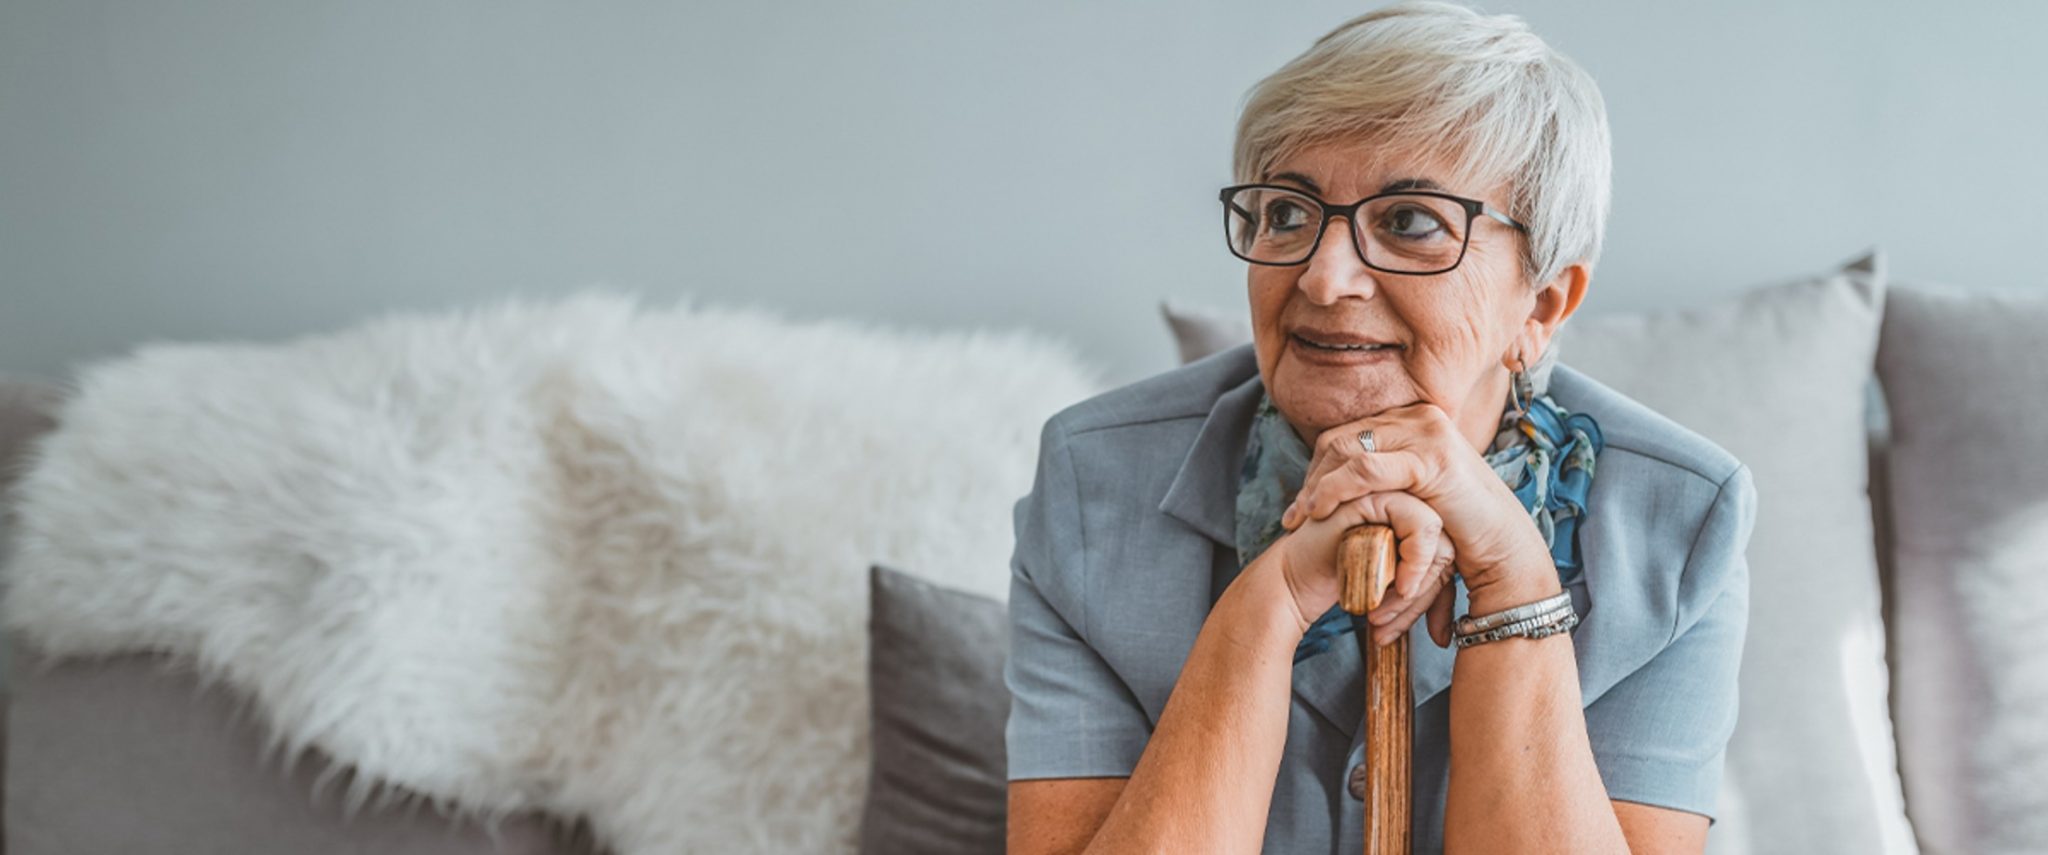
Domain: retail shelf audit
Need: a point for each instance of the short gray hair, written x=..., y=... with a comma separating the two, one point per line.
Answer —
x=1481, y=90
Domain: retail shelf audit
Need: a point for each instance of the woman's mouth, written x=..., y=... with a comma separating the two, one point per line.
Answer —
x=1343, y=354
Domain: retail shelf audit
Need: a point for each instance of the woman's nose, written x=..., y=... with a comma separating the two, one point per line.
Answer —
x=1335, y=270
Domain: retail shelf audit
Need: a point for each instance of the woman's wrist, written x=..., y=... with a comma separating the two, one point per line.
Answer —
x=1510, y=585
x=1268, y=610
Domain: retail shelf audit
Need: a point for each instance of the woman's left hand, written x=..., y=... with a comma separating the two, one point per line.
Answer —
x=1421, y=452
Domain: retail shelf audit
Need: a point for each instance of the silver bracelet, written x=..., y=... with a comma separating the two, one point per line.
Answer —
x=1470, y=624
x=1537, y=627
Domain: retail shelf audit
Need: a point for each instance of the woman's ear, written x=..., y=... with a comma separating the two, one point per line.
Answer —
x=1555, y=301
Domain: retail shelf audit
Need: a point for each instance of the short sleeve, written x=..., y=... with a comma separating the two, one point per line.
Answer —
x=1660, y=735
x=1071, y=716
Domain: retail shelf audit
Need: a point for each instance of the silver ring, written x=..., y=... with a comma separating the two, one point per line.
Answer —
x=1365, y=439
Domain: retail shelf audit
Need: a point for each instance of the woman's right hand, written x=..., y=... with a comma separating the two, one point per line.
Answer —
x=1307, y=556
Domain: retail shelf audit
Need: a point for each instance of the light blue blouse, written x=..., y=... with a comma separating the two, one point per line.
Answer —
x=1127, y=538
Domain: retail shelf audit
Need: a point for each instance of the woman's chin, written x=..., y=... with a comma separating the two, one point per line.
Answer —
x=1324, y=394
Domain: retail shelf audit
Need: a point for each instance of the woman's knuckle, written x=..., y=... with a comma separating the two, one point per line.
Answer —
x=1438, y=420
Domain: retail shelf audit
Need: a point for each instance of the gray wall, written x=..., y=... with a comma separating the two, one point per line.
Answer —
x=258, y=169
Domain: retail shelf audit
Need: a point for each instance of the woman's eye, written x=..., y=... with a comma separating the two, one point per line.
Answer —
x=1284, y=216
x=1413, y=222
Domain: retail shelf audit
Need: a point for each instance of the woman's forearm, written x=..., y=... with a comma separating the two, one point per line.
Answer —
x=1522, y=772
x=1206, y=777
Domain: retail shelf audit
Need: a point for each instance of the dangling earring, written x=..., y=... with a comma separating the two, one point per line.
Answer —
x=1520, y=386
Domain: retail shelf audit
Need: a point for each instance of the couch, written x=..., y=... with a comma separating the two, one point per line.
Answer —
x=1890, y=698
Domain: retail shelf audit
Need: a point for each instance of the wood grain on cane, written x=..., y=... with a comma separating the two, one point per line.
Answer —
x=1365, y=561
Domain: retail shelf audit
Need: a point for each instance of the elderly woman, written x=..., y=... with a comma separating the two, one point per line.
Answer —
x=1421, y=198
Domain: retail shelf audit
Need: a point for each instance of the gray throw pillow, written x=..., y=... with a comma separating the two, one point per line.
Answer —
x=1199, y=331
x=28, y=409
x=939, y=782
x=1780, y=376
x=1963, y=373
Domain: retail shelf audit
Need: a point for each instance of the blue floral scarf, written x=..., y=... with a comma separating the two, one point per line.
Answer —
x=1545, y=453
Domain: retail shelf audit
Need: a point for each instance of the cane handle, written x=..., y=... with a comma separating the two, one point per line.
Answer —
x=1366, y=561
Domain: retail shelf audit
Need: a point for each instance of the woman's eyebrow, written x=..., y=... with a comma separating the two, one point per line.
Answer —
x=1410, y=184
x=1298, y=178
x=1393, y=186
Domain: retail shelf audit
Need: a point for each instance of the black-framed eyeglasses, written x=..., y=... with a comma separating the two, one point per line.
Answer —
x=1415, y=232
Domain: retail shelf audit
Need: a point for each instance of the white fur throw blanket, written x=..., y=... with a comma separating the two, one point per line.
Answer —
x=578, y=556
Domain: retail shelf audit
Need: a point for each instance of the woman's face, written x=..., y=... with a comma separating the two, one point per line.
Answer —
x=1456, y=331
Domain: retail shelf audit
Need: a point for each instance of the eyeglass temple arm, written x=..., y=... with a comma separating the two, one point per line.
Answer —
x=1489, y=211
x=1230, y=203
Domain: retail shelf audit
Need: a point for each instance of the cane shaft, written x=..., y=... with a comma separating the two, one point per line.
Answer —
x=1366, y=563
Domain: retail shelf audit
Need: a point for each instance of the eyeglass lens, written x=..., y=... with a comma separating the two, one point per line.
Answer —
x=1401, y=232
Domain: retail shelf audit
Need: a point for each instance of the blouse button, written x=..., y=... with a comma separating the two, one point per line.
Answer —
x=1357, y=782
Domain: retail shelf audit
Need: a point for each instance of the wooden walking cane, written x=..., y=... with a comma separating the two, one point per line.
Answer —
x=1365, y=559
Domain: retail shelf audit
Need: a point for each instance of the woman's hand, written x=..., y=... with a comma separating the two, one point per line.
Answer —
x=1422, y=455
x=1422, y=569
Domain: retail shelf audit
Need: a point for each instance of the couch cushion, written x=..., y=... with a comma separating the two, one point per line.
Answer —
x=1780, y=376
x=936, y=670
x=132, y=754
x=1964, y=374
